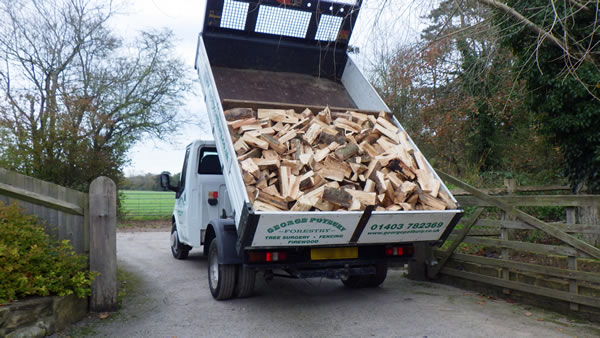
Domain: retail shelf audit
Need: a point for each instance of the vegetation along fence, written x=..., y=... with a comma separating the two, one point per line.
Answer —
x=88, y=221
x=138, y=204
x=501, y=249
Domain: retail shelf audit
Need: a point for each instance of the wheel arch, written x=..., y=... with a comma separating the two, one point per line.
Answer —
x=225, y=233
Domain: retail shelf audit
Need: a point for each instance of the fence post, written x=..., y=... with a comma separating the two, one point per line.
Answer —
x=571, y=218
x=505, y=234
x=103, y=243
x=589, y=215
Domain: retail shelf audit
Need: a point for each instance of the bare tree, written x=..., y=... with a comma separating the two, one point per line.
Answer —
x=75, y=97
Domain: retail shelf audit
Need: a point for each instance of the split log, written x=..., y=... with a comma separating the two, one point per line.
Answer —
x=237, y=124
x=254, y=153
x=306, y=159
x=312, y=133
x=239, y=114
x=275, y=144
x=251, y=140
x=366, y=198
x=369, y=186
x=271, y=189
x=250, y=166
x=338, y=197
x=277, y=115
x=248, y=178
x=346, y=152
x=301, y=206
x=320, y=155
x=272, y=200
x=262, y=206
x=355, y=205
x=393, y=136
x=369, y=149
x=326, y=138
x=293, y=188
x=270, y=155
x=430, y=201
x=332, y=174
x=374, y=166
x=266, y=164
x=241, y=147
x=284, y=180
x=288, y=136
x=446, y=198
x=384, y=122
x=306, y=182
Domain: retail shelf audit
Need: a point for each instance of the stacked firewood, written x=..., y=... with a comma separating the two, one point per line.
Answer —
x=330, y=161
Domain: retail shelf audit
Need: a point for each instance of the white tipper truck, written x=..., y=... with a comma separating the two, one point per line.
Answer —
x=283, y=53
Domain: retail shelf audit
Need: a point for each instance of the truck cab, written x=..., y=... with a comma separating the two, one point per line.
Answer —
x=200, y=196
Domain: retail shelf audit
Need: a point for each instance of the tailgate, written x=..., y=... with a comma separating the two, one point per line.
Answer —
x=351, y=227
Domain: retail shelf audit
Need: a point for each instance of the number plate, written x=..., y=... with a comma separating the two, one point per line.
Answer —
x=333, y=253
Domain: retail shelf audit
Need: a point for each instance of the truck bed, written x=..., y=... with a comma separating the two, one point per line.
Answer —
x=265, y=229
x=280, y=87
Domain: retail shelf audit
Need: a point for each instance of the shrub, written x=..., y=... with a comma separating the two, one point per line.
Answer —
x=34, y=264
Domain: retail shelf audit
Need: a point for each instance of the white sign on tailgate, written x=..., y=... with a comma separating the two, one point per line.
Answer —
x=331, y=228
x=301, y=229
x=406, y=227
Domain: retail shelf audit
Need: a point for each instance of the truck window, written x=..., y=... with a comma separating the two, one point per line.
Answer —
x=183, y=173
x=209, y=162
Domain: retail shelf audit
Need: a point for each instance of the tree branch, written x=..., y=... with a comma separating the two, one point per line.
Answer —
x=528, y=23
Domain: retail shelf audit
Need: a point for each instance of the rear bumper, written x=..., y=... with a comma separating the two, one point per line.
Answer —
x=299, y=263
x=334, y=273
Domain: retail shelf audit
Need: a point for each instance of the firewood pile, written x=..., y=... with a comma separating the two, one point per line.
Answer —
x=330, y=161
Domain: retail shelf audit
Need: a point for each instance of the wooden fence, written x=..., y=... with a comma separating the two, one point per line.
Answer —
x=88, y=222
x=564, y=270
x=62, y=209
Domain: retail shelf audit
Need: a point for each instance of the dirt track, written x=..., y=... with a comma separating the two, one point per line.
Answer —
x=171, y=298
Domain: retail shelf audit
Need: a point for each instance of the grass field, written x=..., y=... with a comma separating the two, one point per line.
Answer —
x=137, y=204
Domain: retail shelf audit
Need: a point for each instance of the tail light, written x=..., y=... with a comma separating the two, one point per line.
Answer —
x=399, y=251
x=213, y=198
x=268, y=256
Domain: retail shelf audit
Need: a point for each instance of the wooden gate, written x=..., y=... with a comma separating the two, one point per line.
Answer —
x=567, y=270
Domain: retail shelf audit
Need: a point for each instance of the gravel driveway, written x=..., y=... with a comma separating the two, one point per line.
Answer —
x=170, y=298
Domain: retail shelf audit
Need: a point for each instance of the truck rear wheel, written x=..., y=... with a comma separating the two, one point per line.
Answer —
x=178, y=249
x=244, y=286
x=221, y=277
x=367, y=281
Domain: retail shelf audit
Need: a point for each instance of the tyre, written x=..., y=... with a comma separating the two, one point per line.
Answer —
x=244, y=285
x=367, y=281
x=178, y=249
x=221, y=277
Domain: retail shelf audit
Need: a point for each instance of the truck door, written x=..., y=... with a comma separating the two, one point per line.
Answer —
x=181, y=202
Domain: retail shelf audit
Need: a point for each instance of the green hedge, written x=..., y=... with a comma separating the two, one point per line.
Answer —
x=34, y=264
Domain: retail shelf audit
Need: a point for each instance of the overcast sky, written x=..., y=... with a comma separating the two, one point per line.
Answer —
x=184, y=18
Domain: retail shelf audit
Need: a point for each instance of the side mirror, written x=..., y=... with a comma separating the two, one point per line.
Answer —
x=165, y=182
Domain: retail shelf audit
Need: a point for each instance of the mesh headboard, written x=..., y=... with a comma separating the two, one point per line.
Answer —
x=303, y=36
